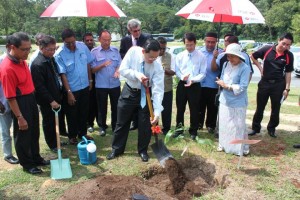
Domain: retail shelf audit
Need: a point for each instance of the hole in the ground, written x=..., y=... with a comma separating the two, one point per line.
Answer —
x=180, y=179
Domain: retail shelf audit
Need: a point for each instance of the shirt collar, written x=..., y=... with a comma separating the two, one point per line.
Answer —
x=13, y=59
x=101, y=49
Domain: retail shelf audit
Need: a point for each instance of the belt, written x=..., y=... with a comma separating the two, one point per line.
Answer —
x=133, y=89
x=272, y=80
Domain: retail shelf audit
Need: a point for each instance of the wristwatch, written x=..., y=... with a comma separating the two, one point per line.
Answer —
x=287, y=90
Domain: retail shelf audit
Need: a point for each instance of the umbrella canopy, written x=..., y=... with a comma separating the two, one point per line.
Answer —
x=230, y=11
x=83, y=8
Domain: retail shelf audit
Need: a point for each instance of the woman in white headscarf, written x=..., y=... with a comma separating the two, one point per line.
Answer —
x=233, y=101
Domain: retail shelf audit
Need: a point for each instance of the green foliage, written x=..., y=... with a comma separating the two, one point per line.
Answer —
x=180, y=138
x=156, y=15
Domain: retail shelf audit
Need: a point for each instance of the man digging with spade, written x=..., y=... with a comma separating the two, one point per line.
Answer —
x=139, y=67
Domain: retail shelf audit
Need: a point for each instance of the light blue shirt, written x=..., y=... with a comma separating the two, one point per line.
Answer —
x=2, y=97
x=131, y=70
x=74, y=64
x=105, y=76
x=238, y=78
x=210, y=78
x=196, y=68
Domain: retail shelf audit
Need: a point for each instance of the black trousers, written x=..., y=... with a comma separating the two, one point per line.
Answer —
x=27, y=141
x=48, y=123
x=93, y=107
x=265, y=91
x=166, y=115
x=208, y=107
x=77, y=114
x=62, y=117
x=191, y=95
x=102, y=98
x=129, y=104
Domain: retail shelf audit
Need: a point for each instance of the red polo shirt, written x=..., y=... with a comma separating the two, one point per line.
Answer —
x=16, y=78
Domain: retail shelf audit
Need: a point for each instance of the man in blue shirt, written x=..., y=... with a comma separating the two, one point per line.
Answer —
x=106, y=69
x=73, y=59
x=209, y=88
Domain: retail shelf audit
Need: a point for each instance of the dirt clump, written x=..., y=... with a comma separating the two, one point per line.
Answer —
x=182, y=180
x=176, y=175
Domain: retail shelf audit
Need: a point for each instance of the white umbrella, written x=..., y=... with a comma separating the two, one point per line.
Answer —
x=83, y=8
x=229, y=11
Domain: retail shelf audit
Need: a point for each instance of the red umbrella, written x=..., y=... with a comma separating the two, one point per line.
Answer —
x=83, y=8
x=230, y=11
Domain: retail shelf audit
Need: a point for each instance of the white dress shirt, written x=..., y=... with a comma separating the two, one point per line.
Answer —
x=196, y=68
x=130, y=69
x=134, y=41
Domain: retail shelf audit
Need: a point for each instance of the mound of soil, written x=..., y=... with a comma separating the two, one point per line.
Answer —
x=180, y=179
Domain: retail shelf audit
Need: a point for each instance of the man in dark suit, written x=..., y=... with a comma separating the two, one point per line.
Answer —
x=136, y=38
x=48, y=87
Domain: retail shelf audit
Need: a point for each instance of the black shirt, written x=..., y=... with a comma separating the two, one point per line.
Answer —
x=275, y=66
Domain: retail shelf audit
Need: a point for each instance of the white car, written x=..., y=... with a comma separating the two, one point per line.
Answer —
x=174, y=50
x=296, y=52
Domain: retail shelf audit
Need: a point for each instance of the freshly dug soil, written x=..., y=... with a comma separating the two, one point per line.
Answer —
x=181, y=179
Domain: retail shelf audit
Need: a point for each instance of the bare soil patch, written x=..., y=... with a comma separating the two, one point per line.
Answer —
x=181, y=179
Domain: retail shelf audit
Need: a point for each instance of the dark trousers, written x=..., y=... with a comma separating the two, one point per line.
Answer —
x=191, y=95
x=207, y=105
x=166, y=115
x=93, y=108
x=77, y=114
x=27, y=141
x=265, y=91
x=128, y=104
x=62, y=117
x=102, y=98
x=49, y=125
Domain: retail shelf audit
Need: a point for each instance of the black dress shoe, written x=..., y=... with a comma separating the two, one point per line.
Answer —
x=43, y=162
x=102, y=132
x=272, y=134
x=176, y=134
x=253, y=132
x=144, y=157
x=11, y=160
x=193, y=137
x=54, y=150
x=112, y=155
x=33, y=170
x=211, y=130
x=297, y=146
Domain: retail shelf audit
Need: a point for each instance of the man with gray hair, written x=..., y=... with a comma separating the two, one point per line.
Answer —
x=136, y=38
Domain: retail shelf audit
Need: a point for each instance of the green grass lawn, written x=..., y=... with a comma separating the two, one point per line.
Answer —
x=268, y=171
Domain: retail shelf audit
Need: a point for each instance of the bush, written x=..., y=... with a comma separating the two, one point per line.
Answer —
x=2, y=41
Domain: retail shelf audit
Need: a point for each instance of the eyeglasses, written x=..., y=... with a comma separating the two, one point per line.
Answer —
x=89, y=40
x=50, y=49
x=164, y=48
x=25, y=49
x=135, y=31
x=69, y=43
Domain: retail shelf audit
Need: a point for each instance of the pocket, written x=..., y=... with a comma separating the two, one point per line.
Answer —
x=70, y=65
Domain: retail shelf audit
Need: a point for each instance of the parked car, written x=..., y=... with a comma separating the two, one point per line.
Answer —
x=296, y=52
x=174, y=50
